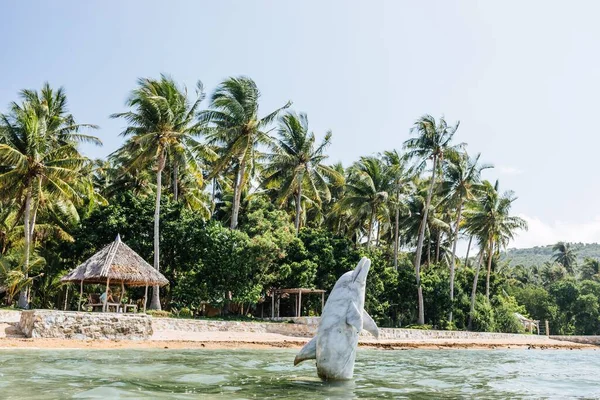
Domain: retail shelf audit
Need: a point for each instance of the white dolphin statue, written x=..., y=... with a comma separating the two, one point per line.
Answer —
x=342, y=319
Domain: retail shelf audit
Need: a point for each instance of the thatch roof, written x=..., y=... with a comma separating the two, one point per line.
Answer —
x=118, y=263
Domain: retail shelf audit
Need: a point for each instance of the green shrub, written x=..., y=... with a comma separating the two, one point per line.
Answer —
x=483, y=316
x=185, y=313
x=505, y=308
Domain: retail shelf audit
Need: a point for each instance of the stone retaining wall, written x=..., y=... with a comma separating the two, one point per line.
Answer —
x=303, y=330
x=200, y=325
x=84, y=326
x=113, y=326
x=593, y=340
x=9, y=316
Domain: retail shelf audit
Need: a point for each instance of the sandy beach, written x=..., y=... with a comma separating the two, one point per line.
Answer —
x=10, y=338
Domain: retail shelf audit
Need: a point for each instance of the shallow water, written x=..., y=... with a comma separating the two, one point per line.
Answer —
x=242, y=374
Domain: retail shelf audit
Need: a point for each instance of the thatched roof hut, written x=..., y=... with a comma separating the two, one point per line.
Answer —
x=116, y=263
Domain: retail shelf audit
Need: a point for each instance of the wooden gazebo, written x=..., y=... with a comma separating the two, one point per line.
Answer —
x=298, y=292
x=116, y=263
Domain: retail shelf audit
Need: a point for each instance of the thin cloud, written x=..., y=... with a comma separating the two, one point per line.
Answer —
x=542, y=233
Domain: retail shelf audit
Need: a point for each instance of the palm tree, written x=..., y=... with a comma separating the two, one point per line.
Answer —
x=41, y=165
x=489, y=219
x=433, y=141
x=565, y=255
x=162, y=122
x=462, y=177
x=401, y=180
x=239, y=130
x=296, y=165
x=366, y=192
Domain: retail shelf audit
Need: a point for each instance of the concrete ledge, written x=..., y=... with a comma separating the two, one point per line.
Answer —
x=9, y=316
x=84, y=326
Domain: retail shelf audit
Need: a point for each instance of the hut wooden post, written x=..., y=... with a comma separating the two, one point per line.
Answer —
x=322, y=302
x=80, y=295
x=145, y=298
x=272, y=304
x=66, y=298
x=106, y=296
x=300, y=303
x=122, y=295
x=278, y=304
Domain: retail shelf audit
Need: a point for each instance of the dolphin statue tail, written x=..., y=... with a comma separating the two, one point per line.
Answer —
x=308, y=352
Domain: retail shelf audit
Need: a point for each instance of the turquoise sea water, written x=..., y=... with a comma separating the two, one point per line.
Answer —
x=242, y=374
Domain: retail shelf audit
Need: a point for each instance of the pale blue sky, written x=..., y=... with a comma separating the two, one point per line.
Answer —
x=522, y=77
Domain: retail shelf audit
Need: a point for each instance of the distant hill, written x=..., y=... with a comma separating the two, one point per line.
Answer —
x=541, y=254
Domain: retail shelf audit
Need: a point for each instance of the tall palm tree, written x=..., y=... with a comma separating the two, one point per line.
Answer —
x=565, y=255
x=162, y=122
x=238, y=129
x=41, y=165
x=296, y=165
x=401, y=180
x=489, y=219
x=433, y=142
x=462, y=178
x=366, y=192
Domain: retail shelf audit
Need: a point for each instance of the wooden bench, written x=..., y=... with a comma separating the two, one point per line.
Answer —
x=94, y=302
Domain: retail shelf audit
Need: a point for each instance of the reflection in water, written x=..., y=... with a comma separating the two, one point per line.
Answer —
x=241, y=374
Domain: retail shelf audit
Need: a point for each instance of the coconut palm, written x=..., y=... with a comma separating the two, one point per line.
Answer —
x=296, y=164
x=162, y=123
x=366, y=192
x=41, y=166
x=238, y=129
x=401, y=180
x=565, y=255
x=461, y=181
x=433, y=142
x=489, y=219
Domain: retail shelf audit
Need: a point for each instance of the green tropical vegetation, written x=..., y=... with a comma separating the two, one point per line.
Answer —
x=231, y=203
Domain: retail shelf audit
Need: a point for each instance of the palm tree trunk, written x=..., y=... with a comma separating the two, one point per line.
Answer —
x=298, y=208
x=396, y=239
x=378, y=233
x=23, y=297
x=175, y=183
x=468, y=249
x=155, y=302
x=237, y=194
x=212, y=199
x=489, y=270
x=474, y=291
x=437, y=247
x=417, y=263
x=371, y=221
x=453, y=259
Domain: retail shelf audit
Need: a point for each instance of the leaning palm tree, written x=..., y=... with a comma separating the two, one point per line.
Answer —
x=366, y=192
x=162, y=122
x=489, y=219
x=41, y=166
x=433, y=142
x=461, y=181
x=565, y=255
x=238, y=130
x=296, y=165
